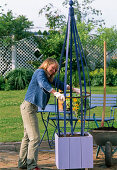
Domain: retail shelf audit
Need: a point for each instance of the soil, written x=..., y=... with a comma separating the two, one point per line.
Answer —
x=46, y=158
x=106, y=128
x=74, y=135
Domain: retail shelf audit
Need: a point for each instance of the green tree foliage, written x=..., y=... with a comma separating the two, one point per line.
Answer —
x=90, y=14
x=84, y=25
x=55, y=21
x=12, y=29
x=109, y=35
x=84, y=12
x=17, y=26
x=50, y=45
x=95, y=47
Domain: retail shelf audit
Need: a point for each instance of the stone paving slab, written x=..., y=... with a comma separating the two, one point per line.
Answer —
x=46, y=158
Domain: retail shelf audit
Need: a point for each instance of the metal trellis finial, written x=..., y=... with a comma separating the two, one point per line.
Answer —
x=70, y=2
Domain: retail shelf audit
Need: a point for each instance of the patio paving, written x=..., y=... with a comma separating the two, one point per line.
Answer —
x=46, y=158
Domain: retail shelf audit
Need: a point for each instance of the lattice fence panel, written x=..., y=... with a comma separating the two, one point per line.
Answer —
x=5, y=59
x=95, y=55
x=24, y=53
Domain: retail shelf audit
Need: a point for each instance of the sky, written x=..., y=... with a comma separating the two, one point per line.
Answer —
x=30, y=9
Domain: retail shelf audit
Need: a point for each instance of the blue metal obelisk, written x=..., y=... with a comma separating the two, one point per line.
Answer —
x=72, y=40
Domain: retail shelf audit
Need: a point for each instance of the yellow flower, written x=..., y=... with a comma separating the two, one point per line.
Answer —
x=76, y=104
x=75, y=100
x=74, y=109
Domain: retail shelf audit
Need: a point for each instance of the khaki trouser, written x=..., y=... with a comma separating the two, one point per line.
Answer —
x=30, y=142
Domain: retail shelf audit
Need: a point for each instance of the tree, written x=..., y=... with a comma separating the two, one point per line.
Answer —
x=95, y=46
x=50, y=45
x=85, y=13
x=86, y=23
x=10, y=25
x=12, y=29
x=55, y=21
x=110, y=36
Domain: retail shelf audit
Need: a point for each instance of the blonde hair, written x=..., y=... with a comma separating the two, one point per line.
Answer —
x=47, y=63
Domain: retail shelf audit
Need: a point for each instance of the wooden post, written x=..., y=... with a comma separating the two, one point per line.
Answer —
x=104, y=100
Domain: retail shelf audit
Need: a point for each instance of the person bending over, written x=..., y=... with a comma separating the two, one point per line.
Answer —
x=38, y=95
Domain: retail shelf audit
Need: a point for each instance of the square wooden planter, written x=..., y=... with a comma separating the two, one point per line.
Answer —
x=74, y=152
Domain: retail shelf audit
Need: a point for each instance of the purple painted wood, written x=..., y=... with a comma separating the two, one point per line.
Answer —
x=74, y=152
x=62, y=152
x=87, y=151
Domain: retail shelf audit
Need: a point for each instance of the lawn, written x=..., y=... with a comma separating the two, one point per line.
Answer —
x=11, y=126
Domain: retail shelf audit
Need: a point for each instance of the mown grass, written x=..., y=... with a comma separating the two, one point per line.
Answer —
x=11, y=125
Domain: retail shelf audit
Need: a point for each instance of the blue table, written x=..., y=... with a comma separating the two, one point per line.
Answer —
x=52, y=108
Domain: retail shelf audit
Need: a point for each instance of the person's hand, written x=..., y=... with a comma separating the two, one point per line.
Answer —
x=76, y=90
x=59, y=96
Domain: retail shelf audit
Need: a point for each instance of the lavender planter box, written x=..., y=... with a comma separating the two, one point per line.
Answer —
x=74, y=152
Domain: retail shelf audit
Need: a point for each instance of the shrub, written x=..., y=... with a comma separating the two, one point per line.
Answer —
x=111, y=77
x=97, y=77
x=75, y=77
x=18, y=79
x=113, y=63
x=2, y=83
